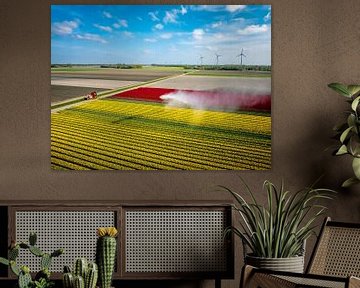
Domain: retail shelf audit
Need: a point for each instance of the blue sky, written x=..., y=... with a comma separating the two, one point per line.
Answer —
x=160, y=34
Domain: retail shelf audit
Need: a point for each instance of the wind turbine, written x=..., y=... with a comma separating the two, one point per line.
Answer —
x=201, y=60
x=241, y=55
x=217, y=58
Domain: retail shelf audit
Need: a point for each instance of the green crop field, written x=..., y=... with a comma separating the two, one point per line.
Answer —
x=129, y=135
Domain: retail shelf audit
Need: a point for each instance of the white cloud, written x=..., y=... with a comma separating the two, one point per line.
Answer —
x=267, y=17
x=107, y=14
x=150, y=40
x=235, y=8
x=170, y=17
x=228, y=36
x=153, y=16
x=128, y=34
x=139, y=18
x=216, y=8
x=166, y=36
x=216, y=24
x=159, y=26
x=103, y=28
x=238, y=19
x=90, y=37
x=65, y=27
x=253, y=29
x=123, y=23
x=183, y=10
x=209, y=8
x=198, y=34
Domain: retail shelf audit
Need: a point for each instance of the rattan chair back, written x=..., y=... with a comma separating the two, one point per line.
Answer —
x=337, y=252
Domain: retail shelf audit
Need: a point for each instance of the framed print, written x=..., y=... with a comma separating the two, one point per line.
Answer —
x=160, y=87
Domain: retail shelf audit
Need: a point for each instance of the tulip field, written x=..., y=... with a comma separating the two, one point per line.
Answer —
x=124, y=134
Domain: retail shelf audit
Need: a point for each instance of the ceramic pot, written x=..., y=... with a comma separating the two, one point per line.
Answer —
x=291, y=264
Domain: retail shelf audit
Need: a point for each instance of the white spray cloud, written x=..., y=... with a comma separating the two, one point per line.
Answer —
x=219, y=99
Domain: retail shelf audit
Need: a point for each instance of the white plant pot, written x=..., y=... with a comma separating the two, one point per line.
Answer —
x=291, y=264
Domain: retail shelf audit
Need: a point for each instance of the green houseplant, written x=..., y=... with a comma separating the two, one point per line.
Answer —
x=349, y=131
x=276, y=233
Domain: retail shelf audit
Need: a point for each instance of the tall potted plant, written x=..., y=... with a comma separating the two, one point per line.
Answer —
x=349, y=131
x=276, y=233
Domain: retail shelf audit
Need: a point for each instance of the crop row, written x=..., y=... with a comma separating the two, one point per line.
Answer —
x=140, y=149
x=83, y=156
x=133, y=144
x=104, y=135
x=134, y=147
x=236, y=121
x=173, y=129
x=170, y=136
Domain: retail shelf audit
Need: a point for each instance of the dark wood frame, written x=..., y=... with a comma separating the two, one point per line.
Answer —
x=119, y=208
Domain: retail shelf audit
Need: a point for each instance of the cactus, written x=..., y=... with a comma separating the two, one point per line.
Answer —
x=68, y=280
x=24, y=246
x=13, y=253
x=32, y=238
x=24, y=279
x=14, y=268
x=45, y=261
x=4, y=261
x=89, y=272
x=42, y=278
x=57, y=252
x=44, y=273
x=36, y=251
x=79, y=282
x=67, y=269
x=91, y=276
x=105, y=255
x=80, y=268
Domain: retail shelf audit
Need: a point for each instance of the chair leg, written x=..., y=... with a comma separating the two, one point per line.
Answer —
x=246, y=273
x=217, y=283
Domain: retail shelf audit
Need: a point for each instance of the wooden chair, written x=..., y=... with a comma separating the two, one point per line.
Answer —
x=334, y=263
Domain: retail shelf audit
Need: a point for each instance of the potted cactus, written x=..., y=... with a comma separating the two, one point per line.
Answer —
x=106, y=254
x=42, y=278
x=84, y=275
